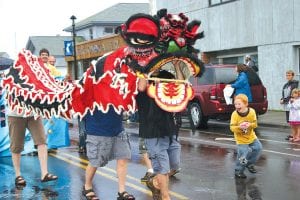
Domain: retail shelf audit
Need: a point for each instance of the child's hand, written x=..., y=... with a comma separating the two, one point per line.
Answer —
x=244, y=126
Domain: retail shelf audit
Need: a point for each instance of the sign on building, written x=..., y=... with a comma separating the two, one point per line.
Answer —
x=68, y=48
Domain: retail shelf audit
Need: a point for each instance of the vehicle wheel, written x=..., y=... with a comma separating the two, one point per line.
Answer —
x=195, y=115
x=203, y=123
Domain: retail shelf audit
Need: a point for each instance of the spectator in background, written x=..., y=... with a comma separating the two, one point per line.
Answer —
x=286, y=94
x=52, y=60
x=241, y=84
x=250, y=63
x=44, y=56
x=294, y=118
x=54, y=123
x=68, y=78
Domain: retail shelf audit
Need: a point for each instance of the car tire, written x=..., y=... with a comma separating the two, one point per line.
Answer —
x=195, y=115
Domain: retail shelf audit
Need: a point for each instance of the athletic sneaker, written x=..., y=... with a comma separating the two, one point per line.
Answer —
x=251, y=169
x=173, y=172
x=147, y=176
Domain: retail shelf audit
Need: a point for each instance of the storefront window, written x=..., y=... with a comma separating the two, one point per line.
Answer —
x=233, y=60
x=108, y=30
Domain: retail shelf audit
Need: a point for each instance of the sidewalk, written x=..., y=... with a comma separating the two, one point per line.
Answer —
x=273, y=119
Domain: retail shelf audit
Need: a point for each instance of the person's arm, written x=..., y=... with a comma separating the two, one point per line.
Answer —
x=282, y=95
x=142, y=84
x=295, y=103
x=253, y=121
x=178, y=69
x=293, y=85
x=234, y=126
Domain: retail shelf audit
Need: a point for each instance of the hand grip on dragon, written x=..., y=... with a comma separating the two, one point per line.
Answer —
x=153, y=43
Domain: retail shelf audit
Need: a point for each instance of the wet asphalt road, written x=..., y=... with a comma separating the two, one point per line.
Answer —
x=207, y=170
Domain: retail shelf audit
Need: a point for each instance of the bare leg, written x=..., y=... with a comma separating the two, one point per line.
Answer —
x=147, y=161
x=43, y=158
x=297, y=139
x=161, y=181
x=16, y=159
x=89, y=175
x=293, y=132
x=122, y=172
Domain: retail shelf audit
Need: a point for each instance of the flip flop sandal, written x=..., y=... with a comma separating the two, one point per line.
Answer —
x=49, y=177
x=125, y=196
x=90, y=197
x=19, y=181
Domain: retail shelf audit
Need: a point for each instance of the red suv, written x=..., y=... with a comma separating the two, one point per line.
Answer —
x=209, y=101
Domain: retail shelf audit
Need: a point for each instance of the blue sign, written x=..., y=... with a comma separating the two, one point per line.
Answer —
x=69, y=48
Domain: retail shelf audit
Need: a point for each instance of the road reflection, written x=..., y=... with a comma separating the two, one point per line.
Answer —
x=248, y=187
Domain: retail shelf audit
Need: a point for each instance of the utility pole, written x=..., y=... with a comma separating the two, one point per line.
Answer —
x=73, y=18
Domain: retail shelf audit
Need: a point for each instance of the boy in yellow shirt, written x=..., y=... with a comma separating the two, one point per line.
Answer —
x=242, y=124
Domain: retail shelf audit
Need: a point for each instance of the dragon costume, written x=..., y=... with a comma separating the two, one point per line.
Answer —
x=152, y=43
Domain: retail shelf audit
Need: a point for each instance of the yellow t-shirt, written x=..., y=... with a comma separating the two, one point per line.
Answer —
x=239, y=135
x=53, y=71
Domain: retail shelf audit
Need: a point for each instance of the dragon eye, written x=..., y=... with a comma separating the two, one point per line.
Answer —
x=140, y=41
x=143, y=41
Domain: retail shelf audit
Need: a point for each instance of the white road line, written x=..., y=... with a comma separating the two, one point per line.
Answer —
x=201, y=141
x=294, y=149
x=224, y=139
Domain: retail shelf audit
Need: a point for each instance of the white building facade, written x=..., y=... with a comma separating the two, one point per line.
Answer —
x=268, y=30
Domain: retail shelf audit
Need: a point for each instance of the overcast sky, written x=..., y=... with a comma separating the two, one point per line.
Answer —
x=20, y=19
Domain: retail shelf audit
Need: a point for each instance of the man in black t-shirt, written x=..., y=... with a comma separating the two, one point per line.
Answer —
x=158, y=128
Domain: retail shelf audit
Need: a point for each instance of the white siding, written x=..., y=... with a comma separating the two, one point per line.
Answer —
x=273, y=26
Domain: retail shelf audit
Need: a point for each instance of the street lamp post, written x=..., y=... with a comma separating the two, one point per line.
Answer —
x=74, y=47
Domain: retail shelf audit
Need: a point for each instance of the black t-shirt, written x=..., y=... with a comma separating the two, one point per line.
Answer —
x=154, y=122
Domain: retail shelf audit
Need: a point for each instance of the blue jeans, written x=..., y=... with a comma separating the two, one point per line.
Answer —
x=163, y=154
x=247, y=154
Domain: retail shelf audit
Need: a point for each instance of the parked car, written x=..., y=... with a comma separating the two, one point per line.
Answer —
x=209, y=102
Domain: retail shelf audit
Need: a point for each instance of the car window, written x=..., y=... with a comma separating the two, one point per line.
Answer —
x=207, y=78
x=225, y=75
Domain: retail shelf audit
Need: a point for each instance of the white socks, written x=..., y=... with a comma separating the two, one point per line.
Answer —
x=150, y=170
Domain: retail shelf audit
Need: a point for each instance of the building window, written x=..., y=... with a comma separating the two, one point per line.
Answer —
x=108, y=30
x=231, y=60
x=91, y=33
x=218, y=2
